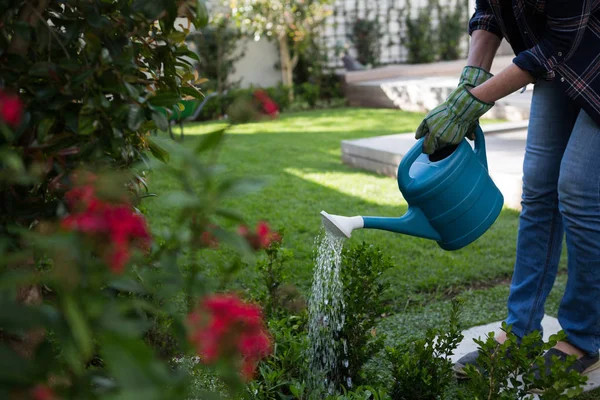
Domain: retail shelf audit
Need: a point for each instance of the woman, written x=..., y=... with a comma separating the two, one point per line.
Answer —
x=557, y=47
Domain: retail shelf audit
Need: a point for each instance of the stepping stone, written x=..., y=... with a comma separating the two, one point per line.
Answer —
x=550, y=326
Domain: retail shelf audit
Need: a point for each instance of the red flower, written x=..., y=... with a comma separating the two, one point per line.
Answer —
x=82, y=194
x=225, y=327
x=209, y=240
x=42, y=392
x=262, y=238
x=117, y=224
x=268, y=105
x=11, y=109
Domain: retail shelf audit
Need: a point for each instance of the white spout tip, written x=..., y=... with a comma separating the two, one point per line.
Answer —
x=341, y=226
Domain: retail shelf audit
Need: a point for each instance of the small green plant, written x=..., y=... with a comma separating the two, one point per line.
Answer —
x=278, y=376
x=366, y=37
x=310, y=93
x=361, y=271
x=280, y=298
x=451, y=30
x=507, y=370
x=420, y=37
x=422, y=369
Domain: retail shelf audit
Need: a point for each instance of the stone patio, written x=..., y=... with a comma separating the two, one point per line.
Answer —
x=505, y=147
x=550, y=326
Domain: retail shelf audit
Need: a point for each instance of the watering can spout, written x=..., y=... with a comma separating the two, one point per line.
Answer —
x=412, y=223
x=341, y=226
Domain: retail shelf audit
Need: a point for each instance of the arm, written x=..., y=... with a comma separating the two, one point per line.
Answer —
x=506, y=82
x=483, y=48
x=567, y=21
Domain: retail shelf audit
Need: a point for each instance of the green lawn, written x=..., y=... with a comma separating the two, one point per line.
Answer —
x=300, y=154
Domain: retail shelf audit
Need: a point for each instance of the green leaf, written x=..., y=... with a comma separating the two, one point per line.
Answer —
x=44, y=127
x=164, y=99
x=201, y=15
x=132, y=363
x=181, y=199
x=22, y=29
x=211, y=140
x=184, y=51
x=157, y=151
x=113, y=320
x=79, y=327
x=241, y=186
x=177, y=36
x=232, y=215
x=16, y=317
x=160, y=120
x=127, y=285
x=42, y=69
x=150, y=8
x=135, y=117
x=192, y=91
x=13, y=368
x=85, y=125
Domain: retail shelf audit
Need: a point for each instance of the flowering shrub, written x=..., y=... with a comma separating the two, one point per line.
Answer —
x=87, y=86
x=223, y=327
x=261, y=238
x=112, y=226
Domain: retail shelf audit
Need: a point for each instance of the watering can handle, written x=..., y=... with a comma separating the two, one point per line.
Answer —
x=408, y=159
x=414, y=153
x=480, y=146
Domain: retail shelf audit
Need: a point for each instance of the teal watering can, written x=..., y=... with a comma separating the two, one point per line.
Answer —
x=451, y=197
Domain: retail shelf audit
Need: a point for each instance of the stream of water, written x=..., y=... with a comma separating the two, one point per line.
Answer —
x=326, y=315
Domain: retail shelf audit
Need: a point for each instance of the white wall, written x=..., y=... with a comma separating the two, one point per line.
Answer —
x=257, y=67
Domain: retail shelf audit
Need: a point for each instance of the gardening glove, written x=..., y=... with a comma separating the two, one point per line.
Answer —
x=452, y=120
x=474, y=76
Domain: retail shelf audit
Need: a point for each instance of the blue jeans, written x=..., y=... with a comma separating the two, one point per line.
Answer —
x=561, y=198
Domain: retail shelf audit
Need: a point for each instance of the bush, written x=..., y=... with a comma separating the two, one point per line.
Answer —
x=420, y=38
x=366, y=37
x=421, y=368
x=506, y=371
x=361, y=272
x=310, y=93
x=451, y=30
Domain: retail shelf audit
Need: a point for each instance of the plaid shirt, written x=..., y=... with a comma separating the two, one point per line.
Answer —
x=553, y=39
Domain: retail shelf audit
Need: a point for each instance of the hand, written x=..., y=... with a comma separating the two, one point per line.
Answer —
x=474, y=76
x=452, y=120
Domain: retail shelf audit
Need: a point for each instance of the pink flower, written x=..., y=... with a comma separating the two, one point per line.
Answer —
x=11, y=109
x=225, y=327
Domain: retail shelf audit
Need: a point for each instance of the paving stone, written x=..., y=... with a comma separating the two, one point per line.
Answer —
x=550, y=326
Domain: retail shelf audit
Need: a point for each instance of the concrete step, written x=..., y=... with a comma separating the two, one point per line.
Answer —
x=505, y=149
x=422, y=94
x=444, y=68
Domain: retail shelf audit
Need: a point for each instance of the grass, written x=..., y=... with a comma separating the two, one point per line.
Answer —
x=300, y=155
